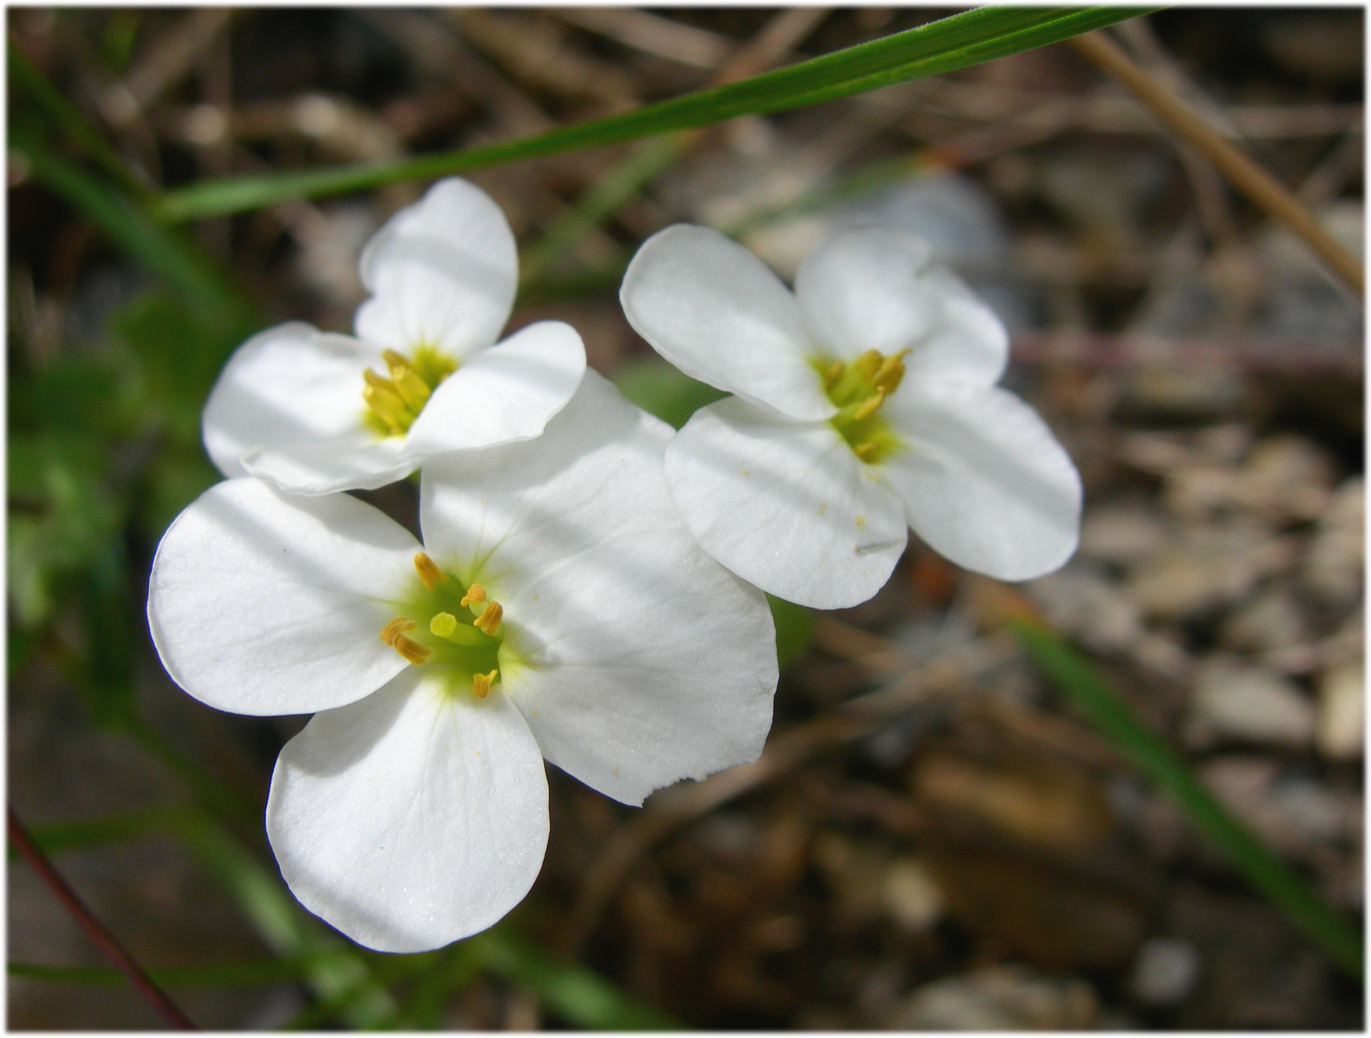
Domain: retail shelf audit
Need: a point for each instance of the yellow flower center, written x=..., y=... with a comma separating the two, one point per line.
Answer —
x=858, y=389
x=395, y=400
x=463, y=635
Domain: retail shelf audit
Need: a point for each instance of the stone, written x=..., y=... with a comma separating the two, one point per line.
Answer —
x=1272, y=621
x=999, y=998
x=1341, y=730
x=911, y=895
x=1165, y=972
x=1251, y=704
x=1123, y=535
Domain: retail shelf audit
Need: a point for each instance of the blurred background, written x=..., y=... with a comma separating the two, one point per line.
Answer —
x=936, y=837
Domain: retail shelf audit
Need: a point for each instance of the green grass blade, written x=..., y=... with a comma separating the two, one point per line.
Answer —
x=337, y=972
x=225, y=975
x=606, y=197
x=1092, y=694
x=50, y=102
x=965, y=39
x=155, y=246
x=81, y=833
x=577, y=994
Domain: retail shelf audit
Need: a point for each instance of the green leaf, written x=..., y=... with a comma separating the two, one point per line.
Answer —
x=663, y=390
x=1079, y=681
x=943, y=46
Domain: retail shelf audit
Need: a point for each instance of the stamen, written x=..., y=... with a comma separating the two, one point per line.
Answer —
x=867, y=451
x=868, y=406
x=410, y=650
x=480, y=683
x=383, y=397
x=475, y=593
x=443, y=625
x=413, y=389
x=395, y=628
x=489, y=620
x=891, y=372
x=429, y=572
x=868, y=364
x=834, y=372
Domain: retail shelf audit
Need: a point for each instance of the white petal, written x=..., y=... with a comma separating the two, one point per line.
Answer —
x=504, y=394
x=355, y=460
x=288, y=386
x=984, y=480
x=641, y=660
x=869, y=288
x=411, y=819
x=264, y=604
x=442, y=272
x=720, y=315
x=785, y=505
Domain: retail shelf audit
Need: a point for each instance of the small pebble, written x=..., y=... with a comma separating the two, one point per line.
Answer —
x=1252, y=704
x=1341, y=730
x=1165, y=972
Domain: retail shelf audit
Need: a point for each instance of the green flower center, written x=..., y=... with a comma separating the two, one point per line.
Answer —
x=858, y=389
x=394, y=402
x=452, y=626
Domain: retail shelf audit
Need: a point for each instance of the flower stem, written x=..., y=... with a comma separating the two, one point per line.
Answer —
x=29, y=850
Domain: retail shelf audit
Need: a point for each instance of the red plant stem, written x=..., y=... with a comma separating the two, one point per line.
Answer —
x=29, y=850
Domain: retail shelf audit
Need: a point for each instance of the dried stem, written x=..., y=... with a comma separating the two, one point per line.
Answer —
x=1242, y=172
x=29, y=850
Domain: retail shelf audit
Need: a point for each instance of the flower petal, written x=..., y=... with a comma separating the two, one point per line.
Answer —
x=355, y=460
x=984, y=480
x=785, y=505
x=261, y=603
x=636, y=659
x=720, y=315
x=442, y=272
x=503, y=394
x=410, y=819
x=287, y=386
x=869, y=288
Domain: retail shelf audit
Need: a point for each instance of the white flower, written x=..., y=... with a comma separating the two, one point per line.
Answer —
x=557, y=609
x=865, y=404
x=314, y=412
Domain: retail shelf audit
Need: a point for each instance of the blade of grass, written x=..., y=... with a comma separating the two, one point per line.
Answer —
x=652, y=158
x=49, y=100
x=159, y=249
x=224, y=975
x=1093, y=695
x=577, y=994
x=338, y=972
x=965, y=39
x=56, y=837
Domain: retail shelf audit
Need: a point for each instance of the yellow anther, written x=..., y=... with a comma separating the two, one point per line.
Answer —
x=384, y=399
x=475, y=593
x=480, y=683
x=443, y=625
x=867, y=365
x=868, y=406
x=411, y=388
x=867, y=451
x=410, y=650
x=429, y=572
x=891, y=372
x=834, y=372
x=395, y=628
x=489, y=620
